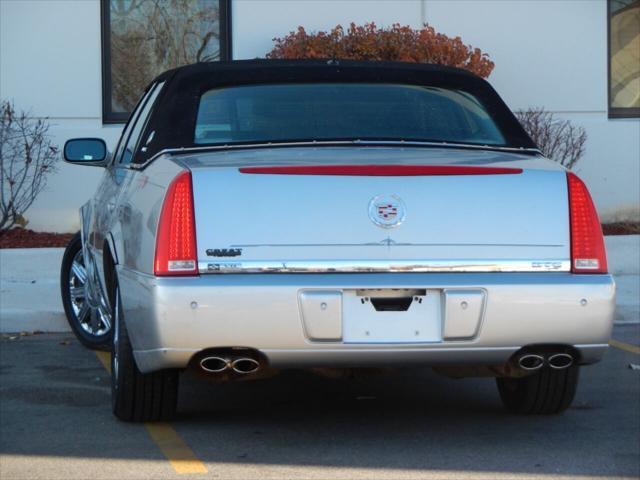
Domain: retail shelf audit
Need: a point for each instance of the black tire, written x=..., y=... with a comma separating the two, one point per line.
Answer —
x=101, y=341
x=546, y=392
x=136, y=396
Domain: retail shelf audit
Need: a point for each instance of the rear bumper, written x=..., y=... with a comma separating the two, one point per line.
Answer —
x=171, y=319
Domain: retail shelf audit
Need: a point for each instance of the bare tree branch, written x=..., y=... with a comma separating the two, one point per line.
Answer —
x=558, y=140
x=27, y=156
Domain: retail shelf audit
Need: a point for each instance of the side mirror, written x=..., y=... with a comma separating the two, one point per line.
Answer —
x=86, y=151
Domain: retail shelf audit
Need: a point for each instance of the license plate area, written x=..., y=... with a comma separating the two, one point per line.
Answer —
x=391, y=316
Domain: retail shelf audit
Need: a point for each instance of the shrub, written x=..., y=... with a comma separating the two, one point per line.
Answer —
x=369, y=42
x=27, y=157
x=557, y=139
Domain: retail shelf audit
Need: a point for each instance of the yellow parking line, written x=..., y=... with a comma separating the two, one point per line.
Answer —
x=105, y=359
x=627, y=347
x=180, y=456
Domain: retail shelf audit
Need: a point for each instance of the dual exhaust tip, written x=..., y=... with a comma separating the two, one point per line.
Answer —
x=246, y=365
x=534, y=361
x=241, y=365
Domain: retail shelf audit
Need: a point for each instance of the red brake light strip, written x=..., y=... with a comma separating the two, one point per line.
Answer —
x=380, y=170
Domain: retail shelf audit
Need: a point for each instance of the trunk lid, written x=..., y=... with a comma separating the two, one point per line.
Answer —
x=261, y=222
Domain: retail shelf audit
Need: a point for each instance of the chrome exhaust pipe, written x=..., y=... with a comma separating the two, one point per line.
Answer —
x=530, y=362
x=215, y=364
x=245, y=365
x=559, y=361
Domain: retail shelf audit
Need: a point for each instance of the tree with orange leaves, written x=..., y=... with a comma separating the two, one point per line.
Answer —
x=397, y=43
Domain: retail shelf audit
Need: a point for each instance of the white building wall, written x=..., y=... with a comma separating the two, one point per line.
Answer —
x=50, y=64
x=550, y=54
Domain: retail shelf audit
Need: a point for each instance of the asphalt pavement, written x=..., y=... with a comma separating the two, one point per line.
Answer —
x=55, y=423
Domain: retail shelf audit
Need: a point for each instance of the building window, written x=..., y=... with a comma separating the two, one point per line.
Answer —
x=624, y=58
x=143, y=38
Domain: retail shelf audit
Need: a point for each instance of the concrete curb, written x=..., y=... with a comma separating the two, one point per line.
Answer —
x=623, y=256
x=30, y=288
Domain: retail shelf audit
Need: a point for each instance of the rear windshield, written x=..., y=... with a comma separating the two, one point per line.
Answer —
x=343, y=111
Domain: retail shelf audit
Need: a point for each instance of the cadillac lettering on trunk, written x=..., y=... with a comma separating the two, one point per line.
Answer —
x=261, y=215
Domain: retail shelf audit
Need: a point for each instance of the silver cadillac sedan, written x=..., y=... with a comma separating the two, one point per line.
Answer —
x=265, y=215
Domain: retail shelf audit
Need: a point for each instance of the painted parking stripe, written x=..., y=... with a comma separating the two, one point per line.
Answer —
x=627, y=347
x=180, y=456
x=105, y=359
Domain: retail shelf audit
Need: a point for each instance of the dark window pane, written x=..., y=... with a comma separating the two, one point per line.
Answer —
x=147, y=37
x=334, y=111
x=624, y=66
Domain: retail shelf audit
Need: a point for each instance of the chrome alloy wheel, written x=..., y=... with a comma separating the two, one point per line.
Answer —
x=91, y=309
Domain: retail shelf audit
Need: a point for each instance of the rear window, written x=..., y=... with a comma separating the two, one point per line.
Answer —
x=337, y=111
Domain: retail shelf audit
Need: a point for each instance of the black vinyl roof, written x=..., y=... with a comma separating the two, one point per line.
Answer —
x=174, y=117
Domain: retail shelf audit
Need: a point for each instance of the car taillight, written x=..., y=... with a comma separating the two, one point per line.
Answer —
x=176, y=239
x=587, y=243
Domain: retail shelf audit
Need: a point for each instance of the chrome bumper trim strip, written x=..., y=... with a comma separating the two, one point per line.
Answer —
x=382, y=266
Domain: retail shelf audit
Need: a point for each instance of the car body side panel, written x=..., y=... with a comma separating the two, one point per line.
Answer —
x=139, y=206
x=123, y=215
x=97, y=221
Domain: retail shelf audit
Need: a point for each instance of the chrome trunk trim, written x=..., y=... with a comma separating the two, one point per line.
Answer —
x=382, y=266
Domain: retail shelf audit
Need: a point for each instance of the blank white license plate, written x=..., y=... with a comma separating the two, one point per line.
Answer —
x=421, y=322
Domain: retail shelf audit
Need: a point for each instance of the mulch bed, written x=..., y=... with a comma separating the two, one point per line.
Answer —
x=621, y=228
x=24, y=238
